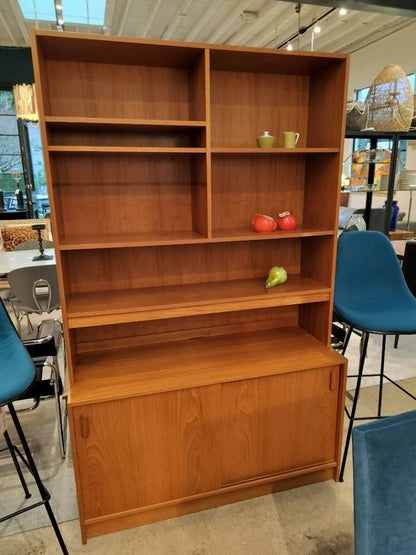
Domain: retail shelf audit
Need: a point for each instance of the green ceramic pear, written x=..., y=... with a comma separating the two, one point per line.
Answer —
x=277, y=275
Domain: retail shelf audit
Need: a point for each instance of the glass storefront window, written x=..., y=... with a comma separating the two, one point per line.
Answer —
x=11, y=160
x=10, y=157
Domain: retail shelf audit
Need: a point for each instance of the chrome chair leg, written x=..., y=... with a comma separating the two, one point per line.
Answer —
x=347, y=339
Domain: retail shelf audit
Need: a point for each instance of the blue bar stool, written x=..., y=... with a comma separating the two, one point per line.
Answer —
x=371, y=297
x=17, y=374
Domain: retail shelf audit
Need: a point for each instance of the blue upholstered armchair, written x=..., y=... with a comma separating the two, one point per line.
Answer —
x=384, y=465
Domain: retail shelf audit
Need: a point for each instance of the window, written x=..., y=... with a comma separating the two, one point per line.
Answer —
x=76, y=11
x=361, y=94
x=11, y=168
x=10, y=157
x=364, y=144
x=39, y=177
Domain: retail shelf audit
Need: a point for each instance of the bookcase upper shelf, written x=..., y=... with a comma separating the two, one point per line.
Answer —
x=85, y=122
x=127, y=149
x=137, y=239
x=278, y=150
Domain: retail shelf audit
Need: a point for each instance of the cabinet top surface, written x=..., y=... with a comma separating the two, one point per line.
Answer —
x=197, y=362
x=57, y=45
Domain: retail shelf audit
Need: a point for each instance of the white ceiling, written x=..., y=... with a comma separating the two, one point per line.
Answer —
x=261, y=23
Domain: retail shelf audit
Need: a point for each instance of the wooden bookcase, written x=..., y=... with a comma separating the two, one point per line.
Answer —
x=190, y=385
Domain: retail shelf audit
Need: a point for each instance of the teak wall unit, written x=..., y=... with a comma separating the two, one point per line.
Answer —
x=190, y=385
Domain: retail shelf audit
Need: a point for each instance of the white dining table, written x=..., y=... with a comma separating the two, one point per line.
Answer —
x=10, y=260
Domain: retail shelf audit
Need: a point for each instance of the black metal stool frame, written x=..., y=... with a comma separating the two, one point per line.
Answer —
x=365, y=334
x=31, y=466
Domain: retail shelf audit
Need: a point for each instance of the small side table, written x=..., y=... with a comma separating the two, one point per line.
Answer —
x=400, y=234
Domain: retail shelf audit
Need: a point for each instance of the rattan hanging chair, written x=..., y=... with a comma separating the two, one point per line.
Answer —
x=390, y=101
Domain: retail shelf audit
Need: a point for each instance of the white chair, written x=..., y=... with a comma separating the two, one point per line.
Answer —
x=43, y=351
x=35, y=291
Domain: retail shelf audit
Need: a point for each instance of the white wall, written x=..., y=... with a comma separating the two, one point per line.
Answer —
x=398, y=48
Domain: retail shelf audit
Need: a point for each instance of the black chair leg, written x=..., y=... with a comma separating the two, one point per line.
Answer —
x=396, y=340
x=30, y=463
x=16, y=464
x=380, y=388
x=60, y=414
x=354, y=404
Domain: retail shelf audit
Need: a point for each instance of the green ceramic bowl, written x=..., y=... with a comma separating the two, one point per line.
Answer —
x=265, y=141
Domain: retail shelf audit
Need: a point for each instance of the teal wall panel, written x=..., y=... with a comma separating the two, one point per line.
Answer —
x=15, y=66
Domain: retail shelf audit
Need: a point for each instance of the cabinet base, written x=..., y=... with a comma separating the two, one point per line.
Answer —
x=130, y=519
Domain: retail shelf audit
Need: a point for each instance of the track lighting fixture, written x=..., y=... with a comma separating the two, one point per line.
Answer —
x=59, y=15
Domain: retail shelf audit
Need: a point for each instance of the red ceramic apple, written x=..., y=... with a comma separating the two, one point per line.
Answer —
x=287, y=221
x=263, y=223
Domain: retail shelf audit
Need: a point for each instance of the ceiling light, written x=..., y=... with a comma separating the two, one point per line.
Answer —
x=316, y=29
x=342, y=11
x=289, y=47
x=59, y=15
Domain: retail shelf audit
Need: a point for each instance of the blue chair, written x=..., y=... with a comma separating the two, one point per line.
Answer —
x=384, y=469
x=370, y=296
x=17, y=374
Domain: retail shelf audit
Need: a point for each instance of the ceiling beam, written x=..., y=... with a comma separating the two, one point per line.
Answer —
x=283, y=22
x=108, y=16
x=252, y=28
x=8, y=30
x=213, y=6
x=352, y=42
x=404, y=8
x=148, y=20
x=124, y=18
x=346, y=34
x=17, y=12
x=228, y=21
x=181, y=12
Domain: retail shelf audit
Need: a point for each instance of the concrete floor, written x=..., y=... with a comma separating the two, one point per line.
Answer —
x=309, y=520
x=312, y=520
